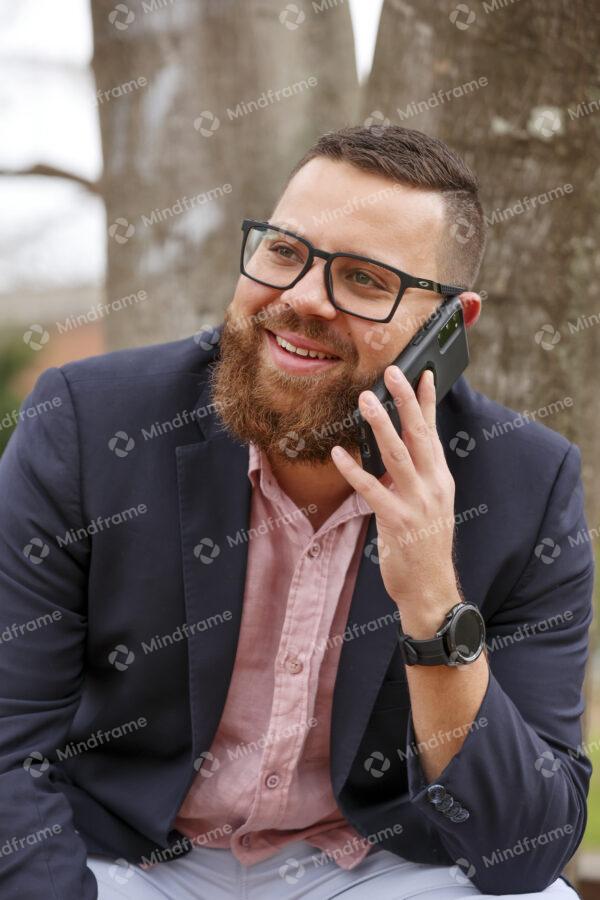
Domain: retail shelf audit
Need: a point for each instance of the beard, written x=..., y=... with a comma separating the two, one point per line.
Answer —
x=299, y=418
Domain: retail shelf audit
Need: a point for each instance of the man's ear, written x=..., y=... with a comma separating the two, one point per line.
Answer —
x=471, y=304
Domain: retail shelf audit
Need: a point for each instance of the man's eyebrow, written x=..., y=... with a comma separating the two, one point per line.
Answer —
x=340, y=247
x=378, y=255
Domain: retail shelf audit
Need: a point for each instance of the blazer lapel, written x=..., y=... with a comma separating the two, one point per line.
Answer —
x=214, y=504
x=371, y=637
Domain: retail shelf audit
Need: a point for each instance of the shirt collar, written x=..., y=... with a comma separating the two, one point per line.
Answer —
x=261, y=474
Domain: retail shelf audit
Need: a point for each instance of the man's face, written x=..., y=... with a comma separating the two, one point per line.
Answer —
x=299, y=410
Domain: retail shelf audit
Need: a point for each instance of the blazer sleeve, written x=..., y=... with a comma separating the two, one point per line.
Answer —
x=522, y=773
x=42, y=636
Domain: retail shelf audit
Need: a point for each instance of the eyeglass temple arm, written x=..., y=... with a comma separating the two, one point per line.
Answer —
x=434, y=286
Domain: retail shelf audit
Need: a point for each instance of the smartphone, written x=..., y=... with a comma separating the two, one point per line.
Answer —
x=440, y=345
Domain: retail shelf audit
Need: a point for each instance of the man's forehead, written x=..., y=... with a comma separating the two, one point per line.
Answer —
x=340, y=207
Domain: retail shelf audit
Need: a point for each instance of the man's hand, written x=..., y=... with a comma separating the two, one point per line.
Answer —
x=414, y=507
x=413, y=503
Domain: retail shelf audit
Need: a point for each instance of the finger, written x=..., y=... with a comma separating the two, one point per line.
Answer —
x=378, y=497
x=426, y=394
x=394, y=452
x=426, y=397
x=415, y=430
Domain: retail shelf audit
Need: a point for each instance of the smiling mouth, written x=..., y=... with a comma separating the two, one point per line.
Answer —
x=304, y=352
x=297, y=360
x=292, y=347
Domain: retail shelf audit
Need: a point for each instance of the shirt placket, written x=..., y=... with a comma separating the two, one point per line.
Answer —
x=297, y=663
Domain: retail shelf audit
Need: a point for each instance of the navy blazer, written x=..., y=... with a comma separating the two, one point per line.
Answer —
x=122, y=504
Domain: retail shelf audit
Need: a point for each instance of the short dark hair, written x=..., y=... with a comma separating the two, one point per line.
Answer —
x=413, y=158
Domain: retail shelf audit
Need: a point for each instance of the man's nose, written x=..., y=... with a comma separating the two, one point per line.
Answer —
x=309, y=295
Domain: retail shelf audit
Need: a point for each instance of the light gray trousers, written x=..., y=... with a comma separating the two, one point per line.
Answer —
x=299, y=870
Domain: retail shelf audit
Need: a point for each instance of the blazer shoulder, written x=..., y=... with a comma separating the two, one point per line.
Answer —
x=187, y=356
x=520, y=433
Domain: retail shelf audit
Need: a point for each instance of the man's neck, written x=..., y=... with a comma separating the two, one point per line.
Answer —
x=321, y=486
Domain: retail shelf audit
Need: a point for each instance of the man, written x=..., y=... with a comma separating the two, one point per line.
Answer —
x=212, y=677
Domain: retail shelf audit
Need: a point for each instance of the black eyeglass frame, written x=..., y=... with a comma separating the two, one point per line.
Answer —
x=406, y=280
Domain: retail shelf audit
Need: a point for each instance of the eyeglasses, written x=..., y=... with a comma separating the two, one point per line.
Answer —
x=355, y=284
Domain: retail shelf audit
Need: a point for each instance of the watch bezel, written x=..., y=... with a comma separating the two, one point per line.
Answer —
x=455, y=655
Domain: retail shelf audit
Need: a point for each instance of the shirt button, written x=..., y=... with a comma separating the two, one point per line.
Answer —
x=293, y=665
x=272, y=781
x=246, y=840
x=314, y=550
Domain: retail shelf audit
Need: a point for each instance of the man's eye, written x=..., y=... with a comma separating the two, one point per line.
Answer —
x=284, y=252
x=364, y=279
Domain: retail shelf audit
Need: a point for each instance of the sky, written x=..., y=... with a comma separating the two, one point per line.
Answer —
x=365, y=21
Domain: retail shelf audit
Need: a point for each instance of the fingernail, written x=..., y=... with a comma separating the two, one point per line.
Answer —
x=370, y=402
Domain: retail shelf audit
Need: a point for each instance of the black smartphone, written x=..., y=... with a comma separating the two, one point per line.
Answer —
x=440, y=345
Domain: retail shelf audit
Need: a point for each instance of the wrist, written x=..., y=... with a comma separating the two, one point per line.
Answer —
x=422, y=620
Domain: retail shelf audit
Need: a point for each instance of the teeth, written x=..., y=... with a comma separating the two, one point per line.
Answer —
x=300, y=350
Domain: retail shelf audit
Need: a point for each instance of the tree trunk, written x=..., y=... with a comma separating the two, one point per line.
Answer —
x=525, y=134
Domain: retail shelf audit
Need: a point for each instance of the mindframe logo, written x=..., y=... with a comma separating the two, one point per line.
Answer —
x=271, y=97
x=526, y=845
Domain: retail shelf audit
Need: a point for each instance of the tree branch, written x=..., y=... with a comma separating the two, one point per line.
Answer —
x=53, y=172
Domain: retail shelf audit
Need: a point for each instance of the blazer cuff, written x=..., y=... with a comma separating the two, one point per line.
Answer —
x=504, y=794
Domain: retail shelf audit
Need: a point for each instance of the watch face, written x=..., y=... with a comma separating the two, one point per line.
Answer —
x=466, y=634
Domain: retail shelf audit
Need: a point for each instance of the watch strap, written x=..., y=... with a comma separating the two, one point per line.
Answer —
x=425, y=653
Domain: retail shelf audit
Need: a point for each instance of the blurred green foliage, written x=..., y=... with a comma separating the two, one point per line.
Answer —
x=591, y=739
x=15, y=356
x=591, y=838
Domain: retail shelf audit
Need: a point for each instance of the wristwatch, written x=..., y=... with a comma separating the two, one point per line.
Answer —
x=459, y=641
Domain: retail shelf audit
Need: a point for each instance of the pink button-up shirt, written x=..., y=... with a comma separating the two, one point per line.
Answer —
x=266, y=779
